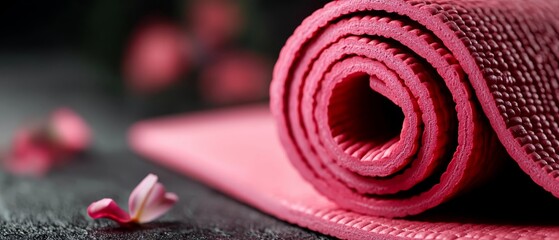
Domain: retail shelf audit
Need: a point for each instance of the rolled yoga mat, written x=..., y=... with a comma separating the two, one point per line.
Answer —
x=388, y=109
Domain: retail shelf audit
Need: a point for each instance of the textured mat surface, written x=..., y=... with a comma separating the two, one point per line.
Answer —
x=237, y=152
x=390, y=108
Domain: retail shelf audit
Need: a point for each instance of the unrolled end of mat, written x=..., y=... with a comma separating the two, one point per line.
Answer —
x=237, y=152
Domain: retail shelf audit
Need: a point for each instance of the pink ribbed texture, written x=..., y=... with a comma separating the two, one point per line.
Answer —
x=390, y=108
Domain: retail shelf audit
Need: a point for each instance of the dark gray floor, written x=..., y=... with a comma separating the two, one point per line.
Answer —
x=54, y=207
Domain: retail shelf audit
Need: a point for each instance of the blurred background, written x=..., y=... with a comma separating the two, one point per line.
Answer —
x=117, y=62
x=75, y=75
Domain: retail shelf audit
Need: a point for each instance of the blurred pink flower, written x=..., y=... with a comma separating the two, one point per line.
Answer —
x=148, y=201
x=157, y=55
x=215, y=22
x=36, y=148
x=236, y=77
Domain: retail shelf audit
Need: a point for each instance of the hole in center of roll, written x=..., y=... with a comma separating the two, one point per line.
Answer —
x=364, y=123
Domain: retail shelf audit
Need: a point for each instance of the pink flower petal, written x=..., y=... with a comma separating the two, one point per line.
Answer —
x=72, y=132
x=28, y=156
x=31, y=163
x=140, y=194
x=148, y=201
x=38, y=146
x=157, y=204
x=22, y=141
x=107, y=208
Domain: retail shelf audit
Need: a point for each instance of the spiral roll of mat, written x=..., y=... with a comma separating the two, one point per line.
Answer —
x=390, y=108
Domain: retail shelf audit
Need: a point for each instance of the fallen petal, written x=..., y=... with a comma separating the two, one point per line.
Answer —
x=158, y=203
x=22, y=141
x=38, y=146
x=27, y=155
x=148, y=201
x=34, y=163
x=107, y=208
x=71, y=131
x=140, y=194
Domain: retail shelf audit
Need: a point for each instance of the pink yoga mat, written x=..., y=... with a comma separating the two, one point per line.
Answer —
x=237, y=152
x=387, y=109
x=390, y=108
